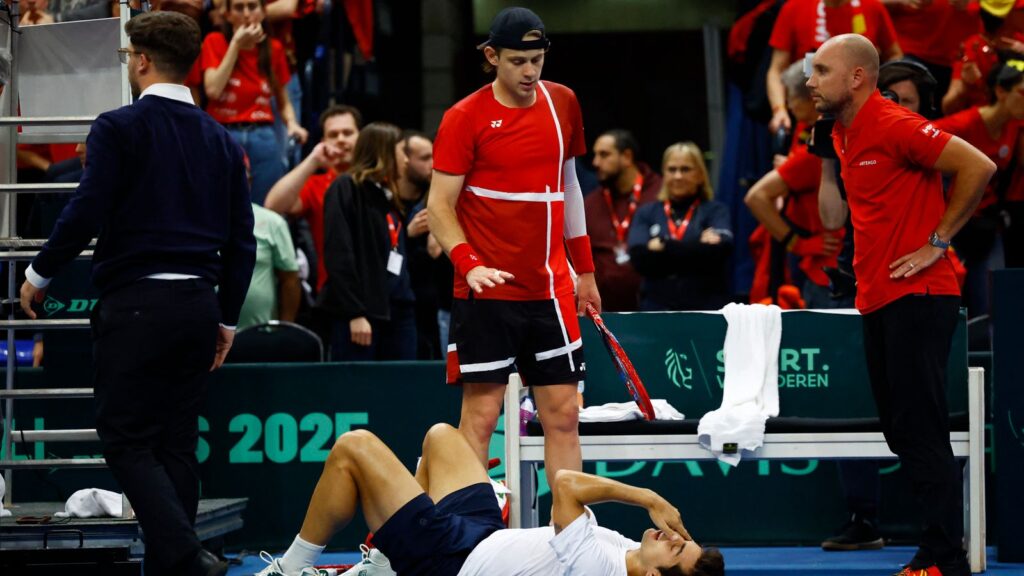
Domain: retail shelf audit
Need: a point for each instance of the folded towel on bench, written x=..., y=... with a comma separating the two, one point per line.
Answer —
x=625, y=411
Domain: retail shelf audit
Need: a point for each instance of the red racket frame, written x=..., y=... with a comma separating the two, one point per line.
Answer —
x=622, y=364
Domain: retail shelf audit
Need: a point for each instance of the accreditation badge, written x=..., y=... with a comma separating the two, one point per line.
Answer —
x=621, y=255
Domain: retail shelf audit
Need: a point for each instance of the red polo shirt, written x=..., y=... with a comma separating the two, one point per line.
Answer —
x=886, y=157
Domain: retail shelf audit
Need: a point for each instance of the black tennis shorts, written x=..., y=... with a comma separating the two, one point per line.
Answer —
x=539, y=339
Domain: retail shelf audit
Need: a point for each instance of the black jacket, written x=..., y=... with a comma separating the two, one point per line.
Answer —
x=356, y=251
x=165, y=189
x=686, y=275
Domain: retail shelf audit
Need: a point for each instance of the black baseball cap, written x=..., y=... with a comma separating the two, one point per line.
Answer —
x=509, y=27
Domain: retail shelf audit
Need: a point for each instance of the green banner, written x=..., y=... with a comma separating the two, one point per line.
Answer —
x=821, y=363
x=267, y=429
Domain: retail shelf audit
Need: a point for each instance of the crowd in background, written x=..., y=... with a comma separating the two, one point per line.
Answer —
x=344, y=245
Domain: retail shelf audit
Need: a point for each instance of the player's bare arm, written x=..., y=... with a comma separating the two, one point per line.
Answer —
x=576, y=489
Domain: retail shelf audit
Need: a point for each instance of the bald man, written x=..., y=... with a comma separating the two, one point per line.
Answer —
x=891, y=161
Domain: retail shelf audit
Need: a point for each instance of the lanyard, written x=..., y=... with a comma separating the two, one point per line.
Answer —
x=674, y=231
x=393, y=230
x=622, y=227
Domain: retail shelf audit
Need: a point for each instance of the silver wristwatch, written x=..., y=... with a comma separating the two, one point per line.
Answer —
x=934, y=240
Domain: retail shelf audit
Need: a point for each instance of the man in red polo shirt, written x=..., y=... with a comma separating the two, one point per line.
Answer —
x=891, y=163
x=301, y=192
x=506, y=206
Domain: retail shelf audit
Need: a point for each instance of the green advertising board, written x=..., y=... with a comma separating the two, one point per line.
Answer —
x=266, y=429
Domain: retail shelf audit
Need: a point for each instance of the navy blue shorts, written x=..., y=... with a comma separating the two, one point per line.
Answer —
x=435, y=539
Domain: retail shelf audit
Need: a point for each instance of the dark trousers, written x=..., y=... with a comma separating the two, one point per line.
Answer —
x=393, y=339
x=907, y=344
x=153, y=345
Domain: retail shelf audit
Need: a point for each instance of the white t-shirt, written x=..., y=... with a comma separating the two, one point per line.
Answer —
x=582, y=549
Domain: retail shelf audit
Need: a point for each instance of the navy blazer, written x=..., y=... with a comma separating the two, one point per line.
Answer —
x=166, y=190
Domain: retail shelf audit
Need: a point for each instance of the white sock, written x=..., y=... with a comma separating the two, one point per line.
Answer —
x=300, y=554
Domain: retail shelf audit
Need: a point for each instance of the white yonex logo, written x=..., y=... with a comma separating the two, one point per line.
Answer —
x=495, y=123
x=868, y=163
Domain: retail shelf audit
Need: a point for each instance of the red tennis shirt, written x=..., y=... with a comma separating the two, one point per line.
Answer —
x=896, y=201
x=512, y=205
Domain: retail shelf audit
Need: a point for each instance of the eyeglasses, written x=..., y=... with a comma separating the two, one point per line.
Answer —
x=125, y=54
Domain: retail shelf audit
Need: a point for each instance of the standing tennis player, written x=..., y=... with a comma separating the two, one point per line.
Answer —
x=505, y=205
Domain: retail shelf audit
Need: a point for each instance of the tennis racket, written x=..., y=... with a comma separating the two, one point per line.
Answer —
x=622, y=364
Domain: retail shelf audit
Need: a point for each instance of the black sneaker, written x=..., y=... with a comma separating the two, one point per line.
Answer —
x=857, y=534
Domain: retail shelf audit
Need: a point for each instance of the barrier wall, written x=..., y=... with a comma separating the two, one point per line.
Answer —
x=1008, y=409
x=266, y=430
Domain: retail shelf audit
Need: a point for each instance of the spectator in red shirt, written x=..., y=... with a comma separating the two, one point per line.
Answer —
x=803, y=25
x=930, y=32
x=300, y=193
x=907, y=291
x=995, y=130
x=798, y=226
x=626, y=183
x=242, y=70
x=979, y=55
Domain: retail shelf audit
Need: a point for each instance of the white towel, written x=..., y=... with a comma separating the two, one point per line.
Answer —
x=751, y=385
x=92, y=503
x=623, y=411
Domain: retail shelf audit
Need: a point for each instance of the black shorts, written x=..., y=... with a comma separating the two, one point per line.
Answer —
x=435, y=539
x=539, y=339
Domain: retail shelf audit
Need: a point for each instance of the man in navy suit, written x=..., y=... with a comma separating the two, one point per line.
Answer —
x=165, y=188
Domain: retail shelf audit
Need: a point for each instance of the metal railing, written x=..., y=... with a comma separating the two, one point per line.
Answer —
x=14, y=249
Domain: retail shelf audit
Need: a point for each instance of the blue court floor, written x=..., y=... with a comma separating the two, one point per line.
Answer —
x=757, y=562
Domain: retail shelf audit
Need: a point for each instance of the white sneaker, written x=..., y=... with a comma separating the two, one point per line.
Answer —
x=374, y=563
x=274, y=568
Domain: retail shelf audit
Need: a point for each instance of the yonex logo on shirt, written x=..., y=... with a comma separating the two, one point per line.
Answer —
x=495, y=123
